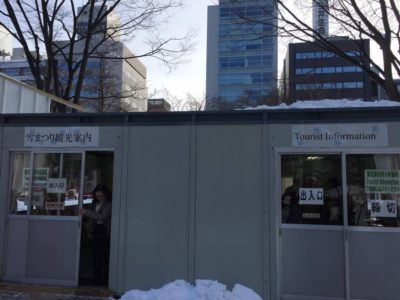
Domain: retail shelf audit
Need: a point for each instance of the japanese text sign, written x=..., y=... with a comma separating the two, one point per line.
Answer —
x=383, y=208
x=382, y=181
x=55, y=206
x=57, y=185
x=40, y=176
x=321, y=17
x=37, y=197
x=311, y=196
x=54, y=137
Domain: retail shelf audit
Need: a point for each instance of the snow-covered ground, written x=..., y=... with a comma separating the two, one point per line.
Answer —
x=342, y=103
x=203, y=290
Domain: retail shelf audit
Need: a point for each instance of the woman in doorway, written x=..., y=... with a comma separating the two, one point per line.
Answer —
x=100, y=214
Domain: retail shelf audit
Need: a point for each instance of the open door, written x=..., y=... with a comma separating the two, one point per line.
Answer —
x=94, y=250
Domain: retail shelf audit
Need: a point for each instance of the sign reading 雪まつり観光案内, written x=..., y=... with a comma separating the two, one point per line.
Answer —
x=382, y=181
x=340, y=135
x=54, y=137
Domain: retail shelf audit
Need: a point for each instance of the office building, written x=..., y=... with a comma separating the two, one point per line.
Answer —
x=315, y=70
x=17, y=66
x=158, y=105
x=111, y=83
x=311, y=72
x=241, y=53
x=5, y=42
x=107, y=27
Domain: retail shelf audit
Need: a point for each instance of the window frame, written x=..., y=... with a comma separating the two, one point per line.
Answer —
x=325, y=151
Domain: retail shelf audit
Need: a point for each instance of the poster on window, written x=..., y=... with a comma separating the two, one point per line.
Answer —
x=382, y=181
x=40, y=176
x=383, y=208
x=38, y=197
x=55, y=206
x=57, y=185
x=311, y=196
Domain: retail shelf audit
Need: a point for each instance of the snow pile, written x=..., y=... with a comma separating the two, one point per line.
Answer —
x=204, y=290
x=342, y=103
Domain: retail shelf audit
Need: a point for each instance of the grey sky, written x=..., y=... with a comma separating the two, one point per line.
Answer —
x=190, y=76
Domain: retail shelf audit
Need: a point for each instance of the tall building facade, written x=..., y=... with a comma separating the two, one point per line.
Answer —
x=111, y=83
x=106, y=26
x=17, y=66
x=312, y=73
x=241, y=53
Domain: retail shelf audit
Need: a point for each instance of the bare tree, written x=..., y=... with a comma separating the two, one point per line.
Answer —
x=189, y=102
x=194, y=103
x=106, y=90
x=66, y=35
x=377, y=20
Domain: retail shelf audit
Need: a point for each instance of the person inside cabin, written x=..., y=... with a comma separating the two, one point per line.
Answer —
x=100, y=214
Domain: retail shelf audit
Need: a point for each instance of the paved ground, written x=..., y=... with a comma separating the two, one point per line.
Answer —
x=38, y=292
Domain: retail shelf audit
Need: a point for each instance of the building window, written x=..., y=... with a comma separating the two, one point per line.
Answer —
x=330, y=85
x=328, y=70
x=373, y=190
x=311, y=189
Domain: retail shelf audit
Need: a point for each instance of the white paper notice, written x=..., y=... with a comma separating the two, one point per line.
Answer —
x=57, y=185
x=311, y=196
x=383, y=208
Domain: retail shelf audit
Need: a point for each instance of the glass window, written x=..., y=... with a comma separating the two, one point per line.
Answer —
x=299, y=55
x=223, y=62
x=373, y=189
x=329, y=86
x=308, y=55
x=20, y=183
x=328, y=70
x=349, y=85
x=224, y=12
x=311, y=189
x=236, y=62
x=327, y=54
x=339, y=85
x=353, y=53
x=299, y=71
x=350, y=69
x=55, y=188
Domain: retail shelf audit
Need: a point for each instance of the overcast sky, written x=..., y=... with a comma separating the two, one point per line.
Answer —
x=189, y=77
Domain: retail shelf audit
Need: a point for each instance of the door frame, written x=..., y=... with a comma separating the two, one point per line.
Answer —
x=343, y=152
x=32, y=151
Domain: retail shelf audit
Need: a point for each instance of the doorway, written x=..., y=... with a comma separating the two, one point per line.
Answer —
x=339, y=225
x=46, y=241
x=98, y=170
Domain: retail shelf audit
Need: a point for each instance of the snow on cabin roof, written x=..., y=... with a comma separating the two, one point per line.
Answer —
x=328, y=103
